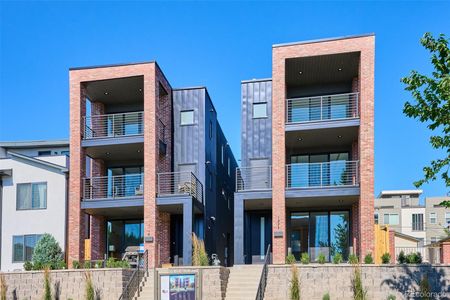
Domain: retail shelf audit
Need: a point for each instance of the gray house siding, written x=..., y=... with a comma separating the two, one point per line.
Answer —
x=256, y=133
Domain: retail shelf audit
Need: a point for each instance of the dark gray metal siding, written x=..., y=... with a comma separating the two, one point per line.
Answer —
x=256, y=137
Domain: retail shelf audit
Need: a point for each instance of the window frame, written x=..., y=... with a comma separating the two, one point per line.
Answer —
x=417, y=223
x=266, y=115
x=187, y=111
x=31, y=186
x=433, y=218
x=23, y=237
x=389, y=218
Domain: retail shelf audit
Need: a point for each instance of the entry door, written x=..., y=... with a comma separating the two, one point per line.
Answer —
x=258, y=231
x=299, y=234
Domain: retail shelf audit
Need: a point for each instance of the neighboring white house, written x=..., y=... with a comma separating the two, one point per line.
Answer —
x=33, y=197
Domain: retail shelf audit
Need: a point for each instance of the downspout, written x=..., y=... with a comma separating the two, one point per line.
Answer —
x=1, y=219
x=66, y=219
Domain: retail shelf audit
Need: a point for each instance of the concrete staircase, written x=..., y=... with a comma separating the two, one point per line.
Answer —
x=243, y=282
x=146, y=289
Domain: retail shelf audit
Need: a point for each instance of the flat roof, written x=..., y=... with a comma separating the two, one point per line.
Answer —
x=256, y=80
x=401, y=192
x=33, y=144
x=112, y=65
x=324, y=40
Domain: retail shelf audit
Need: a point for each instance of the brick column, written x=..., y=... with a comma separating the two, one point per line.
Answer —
x=97, y=170
x=392, y=245
x=355, y=228
x=99, y=124
x=164, y=236
x=278, y=159
x=445, y=252
x=98, y=237
x=75, y=226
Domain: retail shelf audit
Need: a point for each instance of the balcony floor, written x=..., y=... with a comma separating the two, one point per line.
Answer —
x=131, y=207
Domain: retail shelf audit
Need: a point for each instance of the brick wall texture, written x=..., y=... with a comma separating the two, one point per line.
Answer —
x=445, y=252
x=365, y=86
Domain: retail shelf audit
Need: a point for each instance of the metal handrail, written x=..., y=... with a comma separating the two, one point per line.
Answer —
x=120, y=186
x=319, y=108
x=180, y=183
x=263, y=278
x=133, y=286
x=113, y=125
x=253, y=178
x=324, y=174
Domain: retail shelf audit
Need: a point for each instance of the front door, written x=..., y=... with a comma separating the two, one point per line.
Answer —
x=258, y=236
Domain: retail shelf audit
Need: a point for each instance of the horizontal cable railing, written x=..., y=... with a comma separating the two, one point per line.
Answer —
x=318, y=108
x=325, y=174
x=430, y=255
x=113, y=125
x=180, y=183
x=113, y=186
x=253, y=178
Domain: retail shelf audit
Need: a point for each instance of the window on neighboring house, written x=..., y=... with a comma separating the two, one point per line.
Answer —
x=23, y=247
x=31, y=196
x=447, y=218
x=433, y=218
x=210, y=130
x=222, y=155
x=187, y=117
x=44, y=153
x=210, y=180
x=259, y=110
x=417, y=222
x=229, y=167
x=376, y=218
x=433, y=239
x=391, y=219
x=65, y=153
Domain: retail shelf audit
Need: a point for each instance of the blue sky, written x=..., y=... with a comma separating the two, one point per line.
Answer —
x=217, y=45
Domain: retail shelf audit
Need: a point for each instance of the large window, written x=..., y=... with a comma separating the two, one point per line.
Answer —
x=391, y=219
x=417, y=222
x=31, y=196
x=433, y=218
x=259, y=110
x=23, y=247
x=187, y=117
x=122, y=234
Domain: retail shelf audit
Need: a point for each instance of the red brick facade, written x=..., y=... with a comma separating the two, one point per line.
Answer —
x=154, y=111
x=363, y=230
x=445, y=252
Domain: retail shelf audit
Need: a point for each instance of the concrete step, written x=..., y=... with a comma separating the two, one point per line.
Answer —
x=243, y=282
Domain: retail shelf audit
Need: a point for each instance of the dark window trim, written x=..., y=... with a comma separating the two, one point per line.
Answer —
x=23, y=246
x=193, y=117
x=253, y=110
x=31, y=183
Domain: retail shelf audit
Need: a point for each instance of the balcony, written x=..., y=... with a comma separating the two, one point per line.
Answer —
x=113, y=125
x=113, y=187
x=322, y=108
x=253, y=178
x=321, y=175
x=180, y=183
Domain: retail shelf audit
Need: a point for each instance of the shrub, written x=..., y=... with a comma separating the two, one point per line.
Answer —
x=87, y=264
x=353, y=259
x=99, y=265
x=326, y=296
x=359, y=292
x=113, y=263
x=199, y=255
x=401, y=257
x=304, y=259
x=47, y=288
x=75, y=264
x=414, y=258
x=290, y=259
x=47, y=253
x=386, y=258
x=3, y=287
x=295, y=285
x=89, y=286
x=28, y=266
x=391, y=297
x=321, y=258
x=337, y=258
x=368, y=259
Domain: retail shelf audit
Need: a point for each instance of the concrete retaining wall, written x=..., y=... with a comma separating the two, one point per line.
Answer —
x=380, y=281
x=68, y=284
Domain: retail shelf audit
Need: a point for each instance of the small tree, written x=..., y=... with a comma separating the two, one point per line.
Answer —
x=359, y=292
x=386, y=258
x=199, y=255
x=368, y=259
x=47, y=285
x=295, y=285
x=47, y=253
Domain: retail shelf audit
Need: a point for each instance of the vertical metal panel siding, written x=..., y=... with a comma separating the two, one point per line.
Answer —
x=256, y=133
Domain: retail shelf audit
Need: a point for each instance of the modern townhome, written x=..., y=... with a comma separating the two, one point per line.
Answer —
x=33, y=197
x=149, y=166
x=438, y=220
x=305, y=184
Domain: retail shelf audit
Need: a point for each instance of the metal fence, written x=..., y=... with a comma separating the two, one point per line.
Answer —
x=113, y=125
x=318, y=108
x=180, y=183
x=325, y=174
x=113, y=186
x=253, y=178
x=430, y=255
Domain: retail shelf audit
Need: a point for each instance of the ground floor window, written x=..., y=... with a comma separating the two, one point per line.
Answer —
x=121, y=234
x=23, y=247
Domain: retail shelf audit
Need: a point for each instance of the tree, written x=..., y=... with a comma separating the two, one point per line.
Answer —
x=431, y=105
x=47, y=253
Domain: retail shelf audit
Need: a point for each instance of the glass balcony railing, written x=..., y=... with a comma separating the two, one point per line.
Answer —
x=321, y=108
x=107, y=187
x=113, y=125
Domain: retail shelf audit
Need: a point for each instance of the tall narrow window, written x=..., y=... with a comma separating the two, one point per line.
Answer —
x=187, y=117
x=261, y=238
x=210, y=130
x=222, y=155
x=259, y=110
x=376, y=218
x=417, y=222
x=229, y=167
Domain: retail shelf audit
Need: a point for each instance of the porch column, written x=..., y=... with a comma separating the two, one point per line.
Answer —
x=238, y=229
x=98, y=237
x=188, y=219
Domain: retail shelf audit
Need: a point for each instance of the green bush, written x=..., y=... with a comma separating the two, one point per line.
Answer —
x=401, y=257
x=326, y=296
x=359, y=292
x=47, y=253
x=304, y=259
x=75, y=264
x=414, y=258
x=87, y=264
x=113, y=263
x=295, y=285
x=47, y=288
x=28, y=266
x=368, y=259
x=321, y=258
x=353, y=259
x=337, y=258
x=89, y=286
x=391, y=297
x=386, y=258
x=99, y=264
x=290, y=259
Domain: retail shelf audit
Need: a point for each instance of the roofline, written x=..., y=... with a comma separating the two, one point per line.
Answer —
x=200, y=87
x=406, y=236
x=345, y=37
x=111, y=65
x=32, y=144
x=256, y=80
x=38, y=161
x=400, y=192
